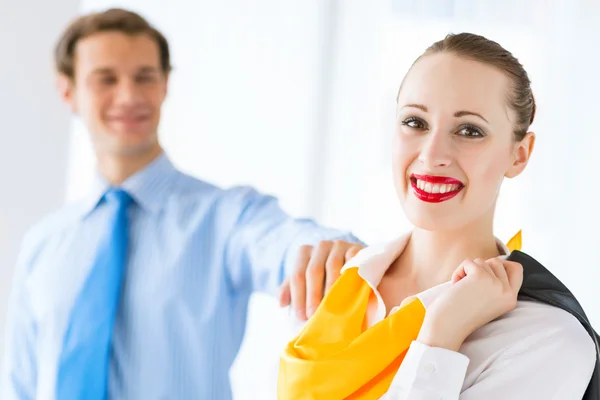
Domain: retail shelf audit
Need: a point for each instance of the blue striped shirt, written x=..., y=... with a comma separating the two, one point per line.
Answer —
x=196, y=254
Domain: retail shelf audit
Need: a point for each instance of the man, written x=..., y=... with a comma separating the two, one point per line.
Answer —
x=141, y=290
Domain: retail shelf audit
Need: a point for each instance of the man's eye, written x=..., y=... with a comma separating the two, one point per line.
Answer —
x=146, y=78
x=108, y=80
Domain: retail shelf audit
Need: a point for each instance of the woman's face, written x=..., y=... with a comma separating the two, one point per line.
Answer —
x=454, y=142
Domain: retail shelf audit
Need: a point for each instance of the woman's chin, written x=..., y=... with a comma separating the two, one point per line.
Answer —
x=429, y=219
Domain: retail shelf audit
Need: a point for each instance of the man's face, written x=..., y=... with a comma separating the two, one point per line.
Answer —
x=118, y=90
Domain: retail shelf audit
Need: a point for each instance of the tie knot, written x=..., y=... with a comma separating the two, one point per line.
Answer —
x=118, y=196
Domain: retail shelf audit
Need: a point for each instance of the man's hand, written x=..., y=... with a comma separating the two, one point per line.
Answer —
x=317, y=268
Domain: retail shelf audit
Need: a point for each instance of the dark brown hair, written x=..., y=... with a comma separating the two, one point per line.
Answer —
x=478, y=48
x=114, y=19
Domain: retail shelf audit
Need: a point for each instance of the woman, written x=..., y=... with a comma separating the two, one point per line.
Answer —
x=403, y=321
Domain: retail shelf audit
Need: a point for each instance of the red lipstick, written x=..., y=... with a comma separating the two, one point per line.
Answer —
x=428, y=197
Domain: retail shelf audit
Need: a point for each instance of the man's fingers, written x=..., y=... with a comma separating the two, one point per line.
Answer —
x=316, y=270
x=341, y=252
x=285, y=296
x=298, y=282
x=315, y=276
x=334, y=264
x=353, y=250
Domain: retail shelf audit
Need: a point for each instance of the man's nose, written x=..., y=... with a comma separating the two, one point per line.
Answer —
x=128, y=92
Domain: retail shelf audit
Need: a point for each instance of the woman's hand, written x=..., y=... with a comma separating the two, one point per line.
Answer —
x=481, y=292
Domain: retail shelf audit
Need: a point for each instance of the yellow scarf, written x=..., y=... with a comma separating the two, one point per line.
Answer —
x=336, y=356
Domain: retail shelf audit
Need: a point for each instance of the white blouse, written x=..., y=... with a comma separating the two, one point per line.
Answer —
x=534, y=352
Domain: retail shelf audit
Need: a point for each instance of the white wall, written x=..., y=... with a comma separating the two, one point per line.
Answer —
x=34, y=126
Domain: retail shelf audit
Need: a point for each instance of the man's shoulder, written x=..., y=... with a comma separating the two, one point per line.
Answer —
x=55, y=221
x=48, y=226
x=190, y=189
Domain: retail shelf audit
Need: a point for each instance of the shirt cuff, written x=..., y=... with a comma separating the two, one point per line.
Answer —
x=430, y=373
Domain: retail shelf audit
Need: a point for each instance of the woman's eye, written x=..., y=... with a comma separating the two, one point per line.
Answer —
x=415, y=123
x=471, y=132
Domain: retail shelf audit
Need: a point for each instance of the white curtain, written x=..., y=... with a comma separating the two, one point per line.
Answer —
x=297, y=99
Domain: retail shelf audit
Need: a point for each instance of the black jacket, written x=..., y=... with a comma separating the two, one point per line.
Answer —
x=539, y=284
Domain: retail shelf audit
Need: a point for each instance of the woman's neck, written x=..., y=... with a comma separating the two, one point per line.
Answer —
x=430, y=257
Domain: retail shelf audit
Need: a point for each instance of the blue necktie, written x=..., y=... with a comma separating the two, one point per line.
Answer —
x=84, y=361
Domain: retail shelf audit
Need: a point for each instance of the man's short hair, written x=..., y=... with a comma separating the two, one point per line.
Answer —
x=112, y=20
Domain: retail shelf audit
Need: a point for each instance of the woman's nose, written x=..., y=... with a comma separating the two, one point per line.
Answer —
x=436, y=150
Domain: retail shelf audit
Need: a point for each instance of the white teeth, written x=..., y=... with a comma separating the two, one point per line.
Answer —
x=436, y=188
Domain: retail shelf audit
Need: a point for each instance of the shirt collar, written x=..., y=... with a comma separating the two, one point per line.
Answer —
x=149, y=187
x=373, y=262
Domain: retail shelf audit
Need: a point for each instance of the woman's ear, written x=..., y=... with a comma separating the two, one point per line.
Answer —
x=521, y=155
